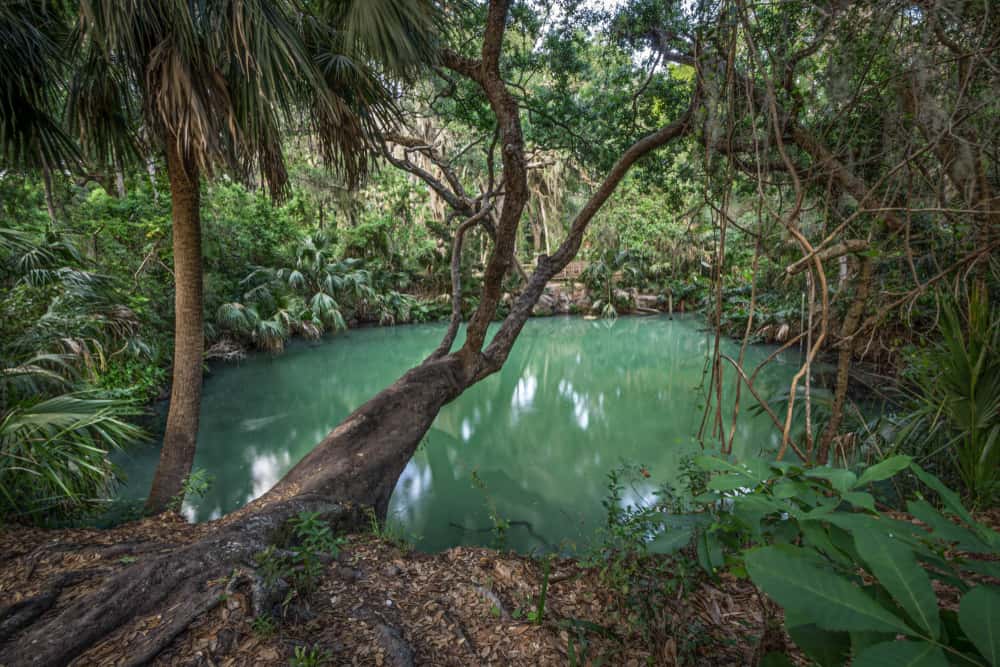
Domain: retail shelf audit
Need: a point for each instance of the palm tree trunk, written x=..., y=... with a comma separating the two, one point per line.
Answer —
x=181, y=433
x=50, y=203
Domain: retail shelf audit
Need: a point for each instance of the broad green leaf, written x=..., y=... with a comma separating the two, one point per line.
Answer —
x=883, y=470
x=903, y=653
x=956, y=637
x=710, y=555
x=715, y=464
x=861, y=640
x=816, y=595
x=759, y=469
x=755, y=470
x=851, y=521
x=815, y=536
x=775, y=659
x=948, y=497
x=752, y=509
x=979, y=616
x=897, y=569
x=788, y=488
x=829, y=649
x=840, y=479
x=729, y=482
x=860, y=499
x=946, y=530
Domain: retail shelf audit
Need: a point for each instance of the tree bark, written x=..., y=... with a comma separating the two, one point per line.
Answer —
x=179, y=439
x=848, y=330
x=50, y=204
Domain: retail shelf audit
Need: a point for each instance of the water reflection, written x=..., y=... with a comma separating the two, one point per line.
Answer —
x=266, y=469
x=575, y=398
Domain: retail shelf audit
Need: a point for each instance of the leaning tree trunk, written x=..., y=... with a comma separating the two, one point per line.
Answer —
x=141, y=609
x=177, y=455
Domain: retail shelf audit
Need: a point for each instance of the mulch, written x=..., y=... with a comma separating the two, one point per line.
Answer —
x=382, y=604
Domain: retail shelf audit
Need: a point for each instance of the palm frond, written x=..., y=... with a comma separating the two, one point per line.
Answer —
x=53, y=453
x=32, y=72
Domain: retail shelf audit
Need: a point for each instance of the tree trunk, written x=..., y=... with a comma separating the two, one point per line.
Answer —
x=850, y=327
x=50, y=203
x=120, y=183
x=181, y=433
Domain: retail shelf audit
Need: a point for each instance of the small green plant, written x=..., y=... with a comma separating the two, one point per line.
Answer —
x=314, y=540
x=314, y=656
x=272, y=565
x=645, y=583
x=856, y=584
x=538, y=613
x=302, y=563
x=383, y=530
x=500, y=524
x=264, y=625
x=195, y=485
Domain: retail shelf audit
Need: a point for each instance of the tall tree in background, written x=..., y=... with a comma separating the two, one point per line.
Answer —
x=216, y=82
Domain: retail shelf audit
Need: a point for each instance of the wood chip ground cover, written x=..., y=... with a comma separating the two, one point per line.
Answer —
x=380, y=605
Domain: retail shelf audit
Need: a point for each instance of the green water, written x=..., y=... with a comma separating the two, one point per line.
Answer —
x=575, y=399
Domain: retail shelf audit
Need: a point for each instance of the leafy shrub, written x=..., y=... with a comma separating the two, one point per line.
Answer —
x=59, y=324
x=134, y=378
x=853, y=580
x=644, y=582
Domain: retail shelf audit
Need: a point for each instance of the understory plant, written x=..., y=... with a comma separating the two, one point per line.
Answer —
x=630, y=554
x=856, y=584
x=54, y=454
x=313, y=656
x=955, y=394
x=301, y=564
x=60, y=326
x=319, y=293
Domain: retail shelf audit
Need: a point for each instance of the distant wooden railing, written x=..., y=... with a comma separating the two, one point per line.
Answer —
x=571, y=272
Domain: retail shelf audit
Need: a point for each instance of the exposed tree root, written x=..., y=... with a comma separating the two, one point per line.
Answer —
x=146, y=605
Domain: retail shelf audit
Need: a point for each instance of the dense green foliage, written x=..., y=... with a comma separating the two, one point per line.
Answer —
x=832, y=186
x=801, y=535
x=63, y=329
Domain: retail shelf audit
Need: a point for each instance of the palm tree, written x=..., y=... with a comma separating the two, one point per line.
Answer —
x=216, y=80
x=32, y=70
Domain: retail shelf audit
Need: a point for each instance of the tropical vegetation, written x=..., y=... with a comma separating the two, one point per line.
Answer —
x=186, y=183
